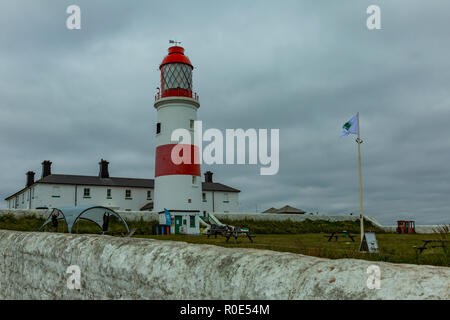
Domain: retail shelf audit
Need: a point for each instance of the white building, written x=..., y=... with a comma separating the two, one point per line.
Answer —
x=130, y=194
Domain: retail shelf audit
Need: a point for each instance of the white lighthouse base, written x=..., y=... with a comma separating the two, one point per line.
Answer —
x=183, y=222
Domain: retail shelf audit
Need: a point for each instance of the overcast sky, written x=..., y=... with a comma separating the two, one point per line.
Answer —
x=304, y=67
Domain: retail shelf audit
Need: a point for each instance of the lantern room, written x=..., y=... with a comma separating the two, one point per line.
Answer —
x=176, y=75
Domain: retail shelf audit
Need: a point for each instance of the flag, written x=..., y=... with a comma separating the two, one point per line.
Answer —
x=168, y=219
x=351, y=126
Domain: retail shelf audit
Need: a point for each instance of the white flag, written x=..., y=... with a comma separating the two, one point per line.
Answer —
x=351, y=126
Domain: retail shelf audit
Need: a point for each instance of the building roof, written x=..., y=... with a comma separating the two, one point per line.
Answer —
x=115, y=182
x=285, y=209
x=147, y=207
x=215, y=186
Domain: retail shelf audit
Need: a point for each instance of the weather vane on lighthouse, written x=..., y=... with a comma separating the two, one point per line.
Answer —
x=175, y=42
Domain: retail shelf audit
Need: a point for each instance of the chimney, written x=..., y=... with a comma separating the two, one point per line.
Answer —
x=208, y=176
x=30, y=178
x=103, y=173
x=46, y=168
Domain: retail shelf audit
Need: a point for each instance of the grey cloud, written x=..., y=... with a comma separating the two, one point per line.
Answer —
x=304, y=67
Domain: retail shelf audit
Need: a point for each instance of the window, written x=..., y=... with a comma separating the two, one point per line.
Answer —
x=127, y=194
x=108, y=193
x=86, y=193
x=194, y=179
x=158, y=127
x=149, y=194
x=177, y=75
x=225, y=198
x=204, y=197
x=55, y=192
x=22, y=197
x=17, y=202
x=192, y=221
x=191, y=124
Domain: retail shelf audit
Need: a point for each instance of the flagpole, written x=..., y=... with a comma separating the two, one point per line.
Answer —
x=361, y=216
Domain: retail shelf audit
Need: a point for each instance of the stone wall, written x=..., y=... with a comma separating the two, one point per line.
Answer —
x=33, y=266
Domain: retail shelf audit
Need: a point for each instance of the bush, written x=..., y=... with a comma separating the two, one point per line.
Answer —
x=33, y=223
x=143, y=227
x=296, y=227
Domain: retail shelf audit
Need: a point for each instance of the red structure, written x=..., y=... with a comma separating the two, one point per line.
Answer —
x=176, y=75
x=406, y=226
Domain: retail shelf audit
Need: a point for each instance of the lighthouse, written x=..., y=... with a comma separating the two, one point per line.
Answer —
x=178, y=186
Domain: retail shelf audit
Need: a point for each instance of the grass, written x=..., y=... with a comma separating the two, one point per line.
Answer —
x=306, y=237
x=394, y=248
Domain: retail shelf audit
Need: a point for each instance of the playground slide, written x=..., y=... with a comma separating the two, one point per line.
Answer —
x=214, y=220
x=208, y=220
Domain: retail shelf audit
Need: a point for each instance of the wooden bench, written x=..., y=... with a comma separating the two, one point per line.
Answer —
x=228, y=232
x=235, y=234
x=217, y=230
x=336, y=235
x=441, y=243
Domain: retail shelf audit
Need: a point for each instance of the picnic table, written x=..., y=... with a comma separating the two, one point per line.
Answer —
x=235, y=233
x=228, y=232
x=440, y=243
x=336, y=234
x=217, y=230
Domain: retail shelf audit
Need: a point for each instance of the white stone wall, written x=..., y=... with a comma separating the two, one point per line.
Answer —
x=33, y=266
x=51, y=196
x=223, y=201
x=419, y=229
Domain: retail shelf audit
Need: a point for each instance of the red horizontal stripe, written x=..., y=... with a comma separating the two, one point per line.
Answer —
x=164, y=166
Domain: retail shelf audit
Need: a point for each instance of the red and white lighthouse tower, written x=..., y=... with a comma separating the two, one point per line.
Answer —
x=178, y=187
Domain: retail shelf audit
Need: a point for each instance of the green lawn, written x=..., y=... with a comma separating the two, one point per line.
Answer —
x=393, y=247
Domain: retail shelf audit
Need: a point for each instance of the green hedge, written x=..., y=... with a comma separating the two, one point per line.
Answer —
x=33, y=223
x=297, y=227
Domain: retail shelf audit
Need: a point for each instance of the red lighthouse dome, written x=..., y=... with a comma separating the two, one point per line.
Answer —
x=176, y=74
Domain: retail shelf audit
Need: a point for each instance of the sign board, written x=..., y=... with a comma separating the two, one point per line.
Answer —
x=369, y=243
x=168, y=219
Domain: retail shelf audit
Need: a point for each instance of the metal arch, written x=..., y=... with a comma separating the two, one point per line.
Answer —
x=100, y=207
x=84, y=209
x=97, y=207
x=49, y=218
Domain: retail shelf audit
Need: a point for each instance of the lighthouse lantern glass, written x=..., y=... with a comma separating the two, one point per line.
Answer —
x=176, y=75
